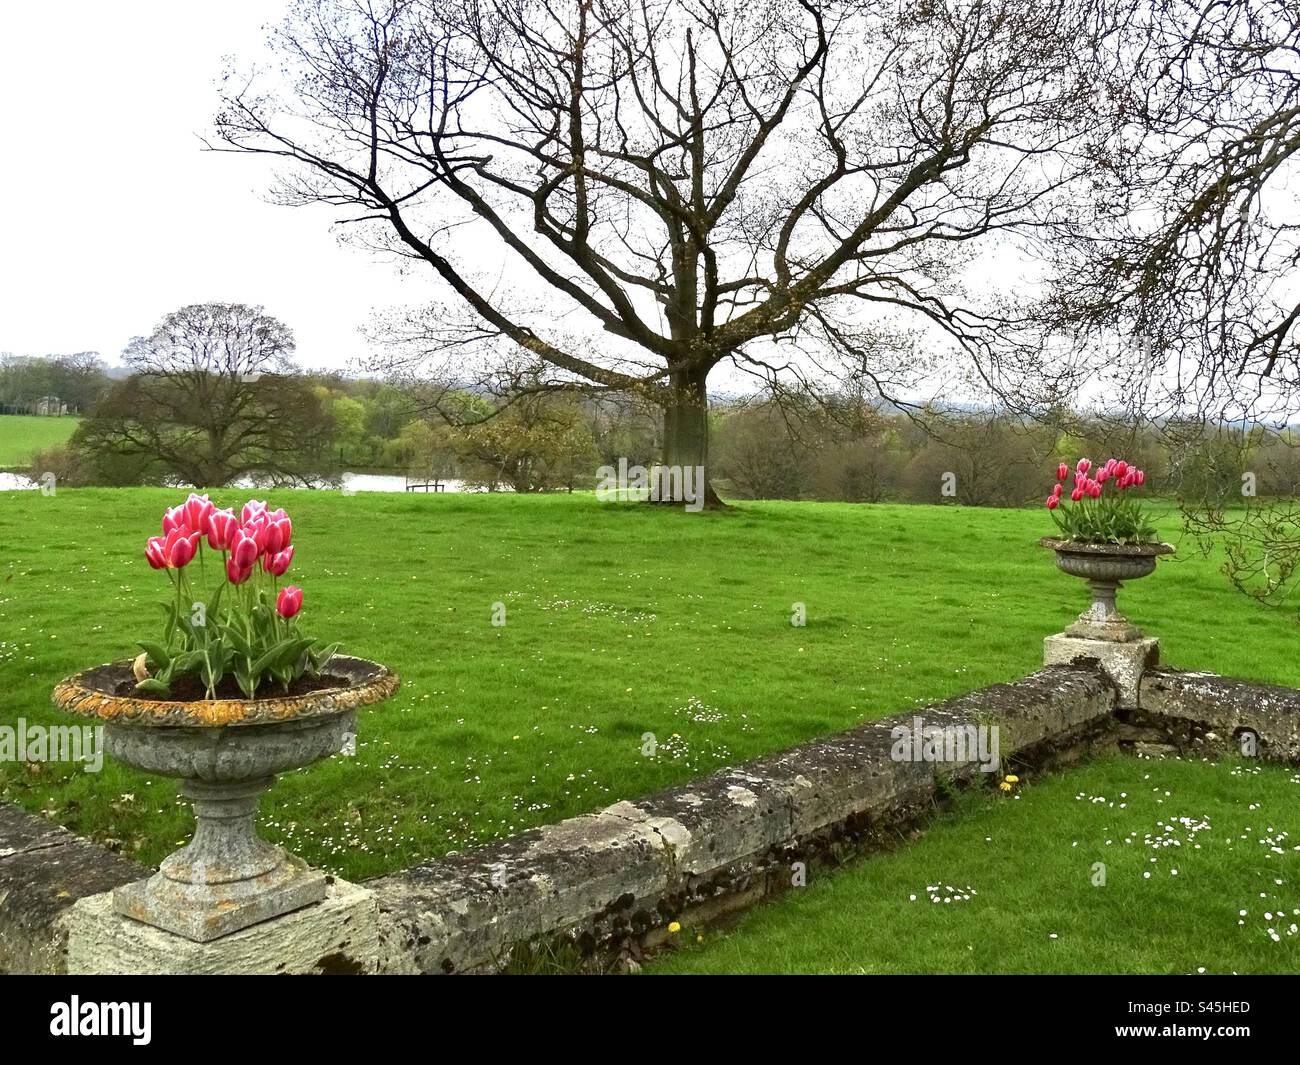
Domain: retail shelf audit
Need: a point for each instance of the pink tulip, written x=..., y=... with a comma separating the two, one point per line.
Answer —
x=257, y=527
x=1102, y=475
x=222, y=528
x=197, y=509
x=289, y=601
x=251, y=508
x=279, y=562
x=1110, y=466
x=235, y=574
x=183, y=550
x=1084, y=465
x=244, y=549
x=1121, y=468
x=1062, y=472
x=155, y=552
x=179, y=547
x=1140, y=477
x=279, y=531
x=1077, y=494
x=173, y=518
x=1053, y=501
x=1058, y=489
x=1094, y=490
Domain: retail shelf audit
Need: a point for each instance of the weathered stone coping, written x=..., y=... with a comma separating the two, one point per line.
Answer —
x=44, y=869
x=610, y=881
x=1190, y=705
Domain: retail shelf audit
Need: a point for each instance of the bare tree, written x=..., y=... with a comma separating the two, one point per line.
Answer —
x=671, y=184
x=1194, y=246
x=212, y=397
x=1192, y=257
x=982, y=461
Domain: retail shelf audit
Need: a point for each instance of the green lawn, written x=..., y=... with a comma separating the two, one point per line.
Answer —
x=1122, y=865
x=621, y=620
x=22, y=435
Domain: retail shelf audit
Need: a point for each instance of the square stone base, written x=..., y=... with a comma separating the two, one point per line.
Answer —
x=339, y=935
x=1123, y=663
x=205, y=912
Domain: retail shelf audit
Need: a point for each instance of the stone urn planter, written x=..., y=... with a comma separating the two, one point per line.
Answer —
x=1105, y=567
x=227, y=753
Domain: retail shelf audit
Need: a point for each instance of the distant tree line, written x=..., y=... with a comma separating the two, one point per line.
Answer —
x=213, y=395
x=779, y=450
x=76, y=381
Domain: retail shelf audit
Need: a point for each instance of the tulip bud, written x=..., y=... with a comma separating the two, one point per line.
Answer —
x=197, y=510
x=237, y=574
x=1077, y=494
x=279, y=531
x=277, y=564
x=251, y=508
x=173, y=519
x=155, y=552
x=244, y=550
x=222, y=528
x=181, y=553
x=1121, y=468
x=1062, y=472
x=1140, y=477
x=1084, y=465
x=1053, y=501
x=257, y=528
x=288, y=602
x=283, y=532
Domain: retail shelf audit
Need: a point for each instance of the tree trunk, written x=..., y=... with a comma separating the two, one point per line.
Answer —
x=686, y=429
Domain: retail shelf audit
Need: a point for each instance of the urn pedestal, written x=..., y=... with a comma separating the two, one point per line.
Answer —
x=227, y=754
x=1101, y=633
x=1105, y=567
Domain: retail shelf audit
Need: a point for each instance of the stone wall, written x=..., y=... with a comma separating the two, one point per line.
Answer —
x=44, y=869
x=1204, y=709
x=606, y=884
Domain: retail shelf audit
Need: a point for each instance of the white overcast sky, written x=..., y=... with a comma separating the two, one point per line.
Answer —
x=113, y=214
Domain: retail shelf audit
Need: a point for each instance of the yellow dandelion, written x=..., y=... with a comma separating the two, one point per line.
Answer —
x=1005, y=786
x=674, y=927
x=1012, y=779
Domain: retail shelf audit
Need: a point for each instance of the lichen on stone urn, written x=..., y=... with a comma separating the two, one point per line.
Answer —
x=226, y=753
x=1105, y=566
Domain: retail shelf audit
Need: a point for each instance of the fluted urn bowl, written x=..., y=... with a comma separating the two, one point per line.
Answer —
x=1105, y=567
x=227, y=753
